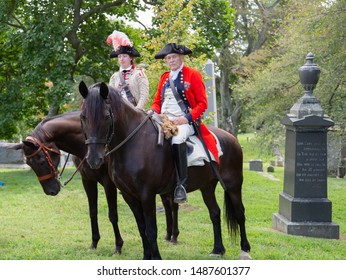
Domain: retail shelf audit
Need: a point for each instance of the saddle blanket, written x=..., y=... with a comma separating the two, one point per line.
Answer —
x=196, y=154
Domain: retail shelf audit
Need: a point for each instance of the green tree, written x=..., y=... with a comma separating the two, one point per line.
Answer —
x=10, y=68
x=270, y=91
x=49, y=45
x=173, y=23
x=202, y=25
x=254, y=28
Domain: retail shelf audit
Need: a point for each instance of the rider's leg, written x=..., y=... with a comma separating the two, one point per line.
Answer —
x=180, y=157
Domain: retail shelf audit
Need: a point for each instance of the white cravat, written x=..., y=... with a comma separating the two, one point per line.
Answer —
x=174, y=74
x=127, y=69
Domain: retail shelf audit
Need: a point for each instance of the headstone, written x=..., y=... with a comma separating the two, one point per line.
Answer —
x=279, y=161
x=65, y=159
x=304, y=208
x=256, y=165
x=10, y=158
x=341, y=172
x=270, y=168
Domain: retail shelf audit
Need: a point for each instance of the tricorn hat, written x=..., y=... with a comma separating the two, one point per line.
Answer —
x=173, y=48
x=121, y=45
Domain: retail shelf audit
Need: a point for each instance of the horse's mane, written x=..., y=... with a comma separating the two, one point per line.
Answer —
x=57, y=117
x=39, y=128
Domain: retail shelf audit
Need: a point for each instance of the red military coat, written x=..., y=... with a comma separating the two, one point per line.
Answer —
x=192, y=92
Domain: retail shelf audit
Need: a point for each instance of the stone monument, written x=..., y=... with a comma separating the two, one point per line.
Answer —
x=256, y=165
x=211, y=93
x=304, y=208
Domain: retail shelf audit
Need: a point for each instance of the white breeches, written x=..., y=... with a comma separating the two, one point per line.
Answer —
x=184, y=132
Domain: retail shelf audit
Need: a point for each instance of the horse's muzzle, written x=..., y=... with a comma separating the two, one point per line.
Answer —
x=51, y=188
x=95, y=163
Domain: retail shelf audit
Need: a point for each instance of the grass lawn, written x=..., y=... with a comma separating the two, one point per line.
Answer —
x=35, y=226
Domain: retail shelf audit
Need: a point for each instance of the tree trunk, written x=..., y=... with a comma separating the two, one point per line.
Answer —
x=53, y=110
x=226, y=102
x=230, y=109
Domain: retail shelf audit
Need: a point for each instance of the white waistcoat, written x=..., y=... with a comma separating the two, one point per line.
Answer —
x=170, y=105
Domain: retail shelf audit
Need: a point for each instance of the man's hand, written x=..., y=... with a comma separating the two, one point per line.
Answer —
x=180, y=121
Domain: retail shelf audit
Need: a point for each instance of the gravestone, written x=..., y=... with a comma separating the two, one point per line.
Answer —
x=341, y=172
x=10, y=158
x=256, y=165
x=270, y=168
x=65, y=159
x=279, y=161
x=304, y=208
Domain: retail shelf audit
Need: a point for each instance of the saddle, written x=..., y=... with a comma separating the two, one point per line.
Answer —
x=195, y=152
x=165, y=127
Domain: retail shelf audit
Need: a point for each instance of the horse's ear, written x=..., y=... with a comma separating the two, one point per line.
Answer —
x=28, y=144
x=104, y=90
x=16, y=146
x=83, y=89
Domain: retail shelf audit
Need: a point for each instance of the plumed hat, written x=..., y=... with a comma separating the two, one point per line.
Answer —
x=121, y=45
x=173, y=48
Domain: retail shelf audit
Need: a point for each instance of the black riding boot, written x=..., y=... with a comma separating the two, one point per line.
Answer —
x=180, y=157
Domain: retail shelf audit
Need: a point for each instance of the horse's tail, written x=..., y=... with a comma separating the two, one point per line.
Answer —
x=232, y=224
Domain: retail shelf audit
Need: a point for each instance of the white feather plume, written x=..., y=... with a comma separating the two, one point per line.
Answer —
x=118, y=39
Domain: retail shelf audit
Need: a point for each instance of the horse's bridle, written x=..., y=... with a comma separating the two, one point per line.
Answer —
x=131, y=134
x=53, y=171
x=94, y=140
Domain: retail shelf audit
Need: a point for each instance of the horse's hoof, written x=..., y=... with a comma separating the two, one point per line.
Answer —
x=92, y=247
x=214, y=255
x=244, y=256
x=117, y=251
x=217, y=252
x=174, y=241
x=167, y=238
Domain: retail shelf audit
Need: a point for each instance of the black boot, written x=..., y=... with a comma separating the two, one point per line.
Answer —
x=180, y=157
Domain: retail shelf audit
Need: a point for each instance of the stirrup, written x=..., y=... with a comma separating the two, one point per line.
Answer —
x=180, y=194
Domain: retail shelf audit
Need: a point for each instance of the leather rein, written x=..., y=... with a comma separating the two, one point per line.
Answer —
x=131, y=134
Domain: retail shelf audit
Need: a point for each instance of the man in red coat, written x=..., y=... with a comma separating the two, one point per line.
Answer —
x=189, y=85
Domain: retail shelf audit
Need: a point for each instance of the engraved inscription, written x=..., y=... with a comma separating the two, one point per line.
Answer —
x=311, y=162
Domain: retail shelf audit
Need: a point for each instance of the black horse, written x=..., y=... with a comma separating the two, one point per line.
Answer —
x=141, y=169
x=42, y=151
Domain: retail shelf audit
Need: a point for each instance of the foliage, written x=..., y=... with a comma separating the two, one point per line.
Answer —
x=49, y=45
x=199, y=24
x=52, y=45
x=9, y=79
x=272, y=85
x=174, y=23
x=215, y=21
x=255, y=24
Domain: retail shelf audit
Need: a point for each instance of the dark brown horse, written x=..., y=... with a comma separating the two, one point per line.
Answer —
x=42, y=151
x=141, y=169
